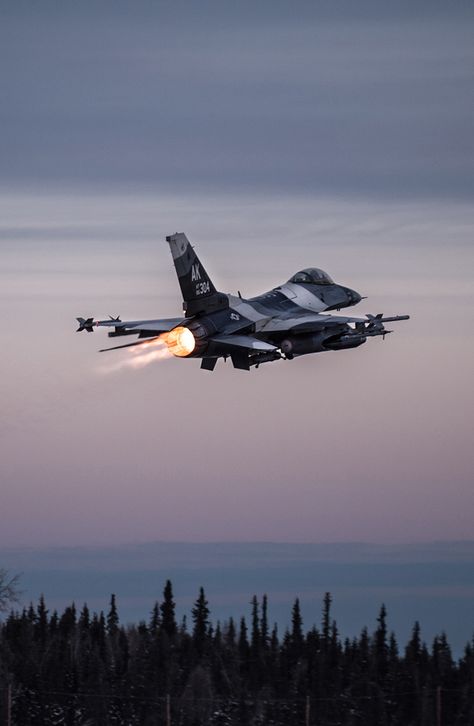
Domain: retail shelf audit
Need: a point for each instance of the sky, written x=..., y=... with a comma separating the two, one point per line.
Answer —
x=432, y=583
x=277, y=136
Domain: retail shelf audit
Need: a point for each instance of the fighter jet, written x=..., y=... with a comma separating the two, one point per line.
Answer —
x=289, y=321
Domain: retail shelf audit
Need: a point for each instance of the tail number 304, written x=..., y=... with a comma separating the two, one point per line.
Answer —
x=202, y=288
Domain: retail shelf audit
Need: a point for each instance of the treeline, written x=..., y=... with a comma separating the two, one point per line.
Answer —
x=83, y=669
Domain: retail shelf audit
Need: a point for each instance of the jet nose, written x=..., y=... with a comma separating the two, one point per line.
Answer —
x=354, y=296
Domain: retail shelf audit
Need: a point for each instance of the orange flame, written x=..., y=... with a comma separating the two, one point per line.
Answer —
x=180, y=341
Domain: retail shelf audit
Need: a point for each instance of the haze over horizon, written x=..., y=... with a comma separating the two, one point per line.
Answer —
x=430, y=583
x=336, y=137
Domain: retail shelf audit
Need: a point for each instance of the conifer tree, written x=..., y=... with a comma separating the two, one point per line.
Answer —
x=230, y=633
x=53, y=623
x=155, y=619
x=41, y=625
x=84, y=618
x=274, y=643
x=200, y=614
x=296, y=625
x=243, y=642
x=218, y=636
x=413, y=649
x=255, y=633
x=381, y=647
x=466, y=678
x=112, y=617
x=31, y=613
x=442, y=661
x=67, y=624
x=98, y=635
x=66, y=672
x=167, y=608
x=264, y=623
x=326, y=621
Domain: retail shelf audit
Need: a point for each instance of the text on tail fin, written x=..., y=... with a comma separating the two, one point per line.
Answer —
x=199, y=293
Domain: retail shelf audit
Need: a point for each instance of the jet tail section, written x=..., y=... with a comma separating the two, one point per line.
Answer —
x=199, y=293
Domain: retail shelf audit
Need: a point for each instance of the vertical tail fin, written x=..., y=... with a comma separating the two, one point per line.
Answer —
x=199, y=293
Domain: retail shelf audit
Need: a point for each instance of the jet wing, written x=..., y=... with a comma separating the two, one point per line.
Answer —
x=241, y=342
x=311, y=323
x=323, y=322
x=138, y=326
x=317, y=322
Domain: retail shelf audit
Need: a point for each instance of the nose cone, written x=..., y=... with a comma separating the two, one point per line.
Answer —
x=354, y=296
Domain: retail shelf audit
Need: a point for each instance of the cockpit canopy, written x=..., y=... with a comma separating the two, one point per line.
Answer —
x=312, y=276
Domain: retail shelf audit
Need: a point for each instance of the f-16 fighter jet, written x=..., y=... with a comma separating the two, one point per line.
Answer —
x=289, y=321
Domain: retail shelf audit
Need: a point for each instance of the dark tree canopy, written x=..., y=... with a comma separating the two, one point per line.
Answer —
x=167, y=608
x=65, y=669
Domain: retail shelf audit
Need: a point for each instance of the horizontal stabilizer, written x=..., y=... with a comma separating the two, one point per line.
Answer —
x=242, y=342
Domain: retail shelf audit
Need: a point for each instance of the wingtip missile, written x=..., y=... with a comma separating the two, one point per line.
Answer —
x=85, y=324
x=376, y=320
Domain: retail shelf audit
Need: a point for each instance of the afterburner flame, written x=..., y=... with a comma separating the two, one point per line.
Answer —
x=180, y=341
x=140, y=356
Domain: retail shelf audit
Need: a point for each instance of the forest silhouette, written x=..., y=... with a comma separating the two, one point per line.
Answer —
x=80, y=668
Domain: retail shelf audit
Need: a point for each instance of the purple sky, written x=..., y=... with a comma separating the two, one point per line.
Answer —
x=273, y=147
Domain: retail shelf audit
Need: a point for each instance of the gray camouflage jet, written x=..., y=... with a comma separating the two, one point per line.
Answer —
x=284, y=323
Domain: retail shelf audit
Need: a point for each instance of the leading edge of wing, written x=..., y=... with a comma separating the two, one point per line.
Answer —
x=149, y=326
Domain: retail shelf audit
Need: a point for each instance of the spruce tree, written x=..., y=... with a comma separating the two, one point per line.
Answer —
x=67, y=622
x=84, y=618
x=274, y=644
x=296, y=625
x=381, y=647
x=255, y=633
x=53, y=623
x=41, y=626
x=264, y=623
x=200, y=614
x=65, y=672
x=218, y=636
x=243, y=645
x=230, y=634
x=326, y=620
x=167, y=608
x=155, y=619
x=112, y=617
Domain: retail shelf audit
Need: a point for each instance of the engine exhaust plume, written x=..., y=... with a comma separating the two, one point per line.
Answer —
x=178, y=342
x=139, y=357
